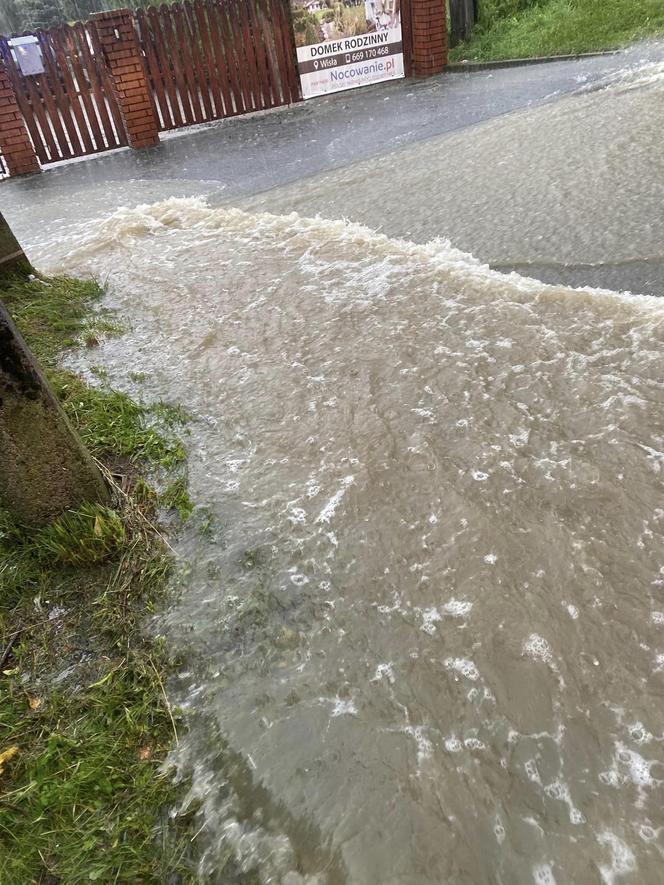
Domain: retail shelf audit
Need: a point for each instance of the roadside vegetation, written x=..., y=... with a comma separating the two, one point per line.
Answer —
x=530, y=28
x=84, y=720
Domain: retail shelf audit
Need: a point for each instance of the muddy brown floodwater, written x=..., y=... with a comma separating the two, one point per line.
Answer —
x=422, y=596
x=425, y=632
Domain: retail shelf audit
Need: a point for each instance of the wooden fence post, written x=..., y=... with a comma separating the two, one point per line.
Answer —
x=429, y=37
x=17, y=150
x=463, y=15
x=119, y=42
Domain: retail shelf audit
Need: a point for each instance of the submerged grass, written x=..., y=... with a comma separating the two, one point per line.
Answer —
x=84, y=720
x=530, y=28
x=55, y=314
x=176, y=497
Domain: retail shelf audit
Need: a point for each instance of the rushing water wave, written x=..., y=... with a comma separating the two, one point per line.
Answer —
x=576, y=181
x=425, y=632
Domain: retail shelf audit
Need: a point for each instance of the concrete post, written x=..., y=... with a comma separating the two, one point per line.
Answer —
x=15, y=145
x=122, y=53
x=429, y=29
x=44, y=469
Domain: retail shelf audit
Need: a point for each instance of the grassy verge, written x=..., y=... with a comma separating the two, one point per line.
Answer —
x=524, y=29
x=84, y=720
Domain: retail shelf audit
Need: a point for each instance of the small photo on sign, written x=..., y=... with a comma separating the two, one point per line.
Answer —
x=316, y=21
x=341, y=45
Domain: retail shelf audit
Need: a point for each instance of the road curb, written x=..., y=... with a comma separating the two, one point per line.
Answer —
x=458, y=67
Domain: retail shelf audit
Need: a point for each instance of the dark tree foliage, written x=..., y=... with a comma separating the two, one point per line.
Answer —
x=11, y=18
x=40, y=13
x=17, y=16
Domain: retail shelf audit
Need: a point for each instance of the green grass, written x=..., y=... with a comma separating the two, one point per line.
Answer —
x=176, y=497
x=84, y=720
x=558, y=27
x=54, y=315
x=82, y=701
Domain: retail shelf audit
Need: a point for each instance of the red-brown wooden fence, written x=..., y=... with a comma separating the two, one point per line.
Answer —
x=70, y=109
x=204, y=60
x=214, y=59
x=124, y=76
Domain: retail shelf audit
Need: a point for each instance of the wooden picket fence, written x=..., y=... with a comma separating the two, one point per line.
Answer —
x=205, y=60
x=208, y=60
x=69, y=110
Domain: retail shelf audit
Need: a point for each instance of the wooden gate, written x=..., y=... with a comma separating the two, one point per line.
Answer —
x=69, y=110
x=214, y=59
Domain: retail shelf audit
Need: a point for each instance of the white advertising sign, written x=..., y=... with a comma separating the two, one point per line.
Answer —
x=341, y=45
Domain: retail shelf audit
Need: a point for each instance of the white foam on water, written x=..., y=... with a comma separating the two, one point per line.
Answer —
x=299, y=580
x=634, y=766
x=649, y=74
x=334, y=333
x=648, y=833
x=384, y=671
x=537, y=648
x=422, y=742
x=453, y=608
x=424, y=413
x=457, y=608
x=639, y=733
x=330, y=508
x=430, y=617
x=131, y=226
x=572, y=610
x=341, y=706
x=543, y=874
x=560, y=790
x=297, y=515
x=623, y=861
x=465, y=667
x=250, y=843
x=532, y=771
x=520, y=437
x=529, y=819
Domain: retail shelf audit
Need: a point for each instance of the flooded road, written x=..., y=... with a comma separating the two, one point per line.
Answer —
x=576, y=181
x=422, y=608
x=424, y=633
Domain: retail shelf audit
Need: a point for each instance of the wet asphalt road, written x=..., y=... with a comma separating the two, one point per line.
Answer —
x=243, y=157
